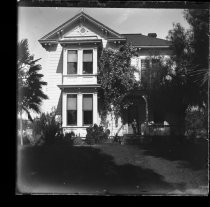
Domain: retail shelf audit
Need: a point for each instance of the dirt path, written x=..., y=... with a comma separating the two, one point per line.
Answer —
x=185, y=180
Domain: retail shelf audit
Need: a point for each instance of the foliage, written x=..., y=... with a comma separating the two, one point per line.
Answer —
x=196, y=123
x=191, y=57
x=96, y=134
x=30, y=84
x=116, y=76
x=47, y=127
x=180, y=86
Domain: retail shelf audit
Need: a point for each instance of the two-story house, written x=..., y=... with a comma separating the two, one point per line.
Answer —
x=71, y=69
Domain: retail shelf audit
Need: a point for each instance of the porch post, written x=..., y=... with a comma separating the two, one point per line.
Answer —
x=147, y=110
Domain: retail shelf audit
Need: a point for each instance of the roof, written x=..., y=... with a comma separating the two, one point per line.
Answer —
x=143, y=40
x=137, y=40
x=76, y=17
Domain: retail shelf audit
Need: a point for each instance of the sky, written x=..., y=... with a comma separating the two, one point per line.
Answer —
x=35, y=22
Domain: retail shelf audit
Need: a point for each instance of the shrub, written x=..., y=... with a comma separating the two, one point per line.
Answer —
x=96, y=134
x=78, y=141
x=47, y=127
x=196, y=123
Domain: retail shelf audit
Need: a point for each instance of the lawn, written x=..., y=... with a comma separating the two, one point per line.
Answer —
x=101, y=169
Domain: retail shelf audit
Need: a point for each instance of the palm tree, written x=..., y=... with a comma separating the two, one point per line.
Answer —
x=30, y=94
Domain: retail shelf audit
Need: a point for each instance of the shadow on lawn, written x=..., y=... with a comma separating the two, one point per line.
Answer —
x=195, y=154
x=86, y=166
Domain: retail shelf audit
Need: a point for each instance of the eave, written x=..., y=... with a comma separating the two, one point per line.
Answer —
x=48, y=42
x=80, y=42
x=79, y=86
x=152, y=46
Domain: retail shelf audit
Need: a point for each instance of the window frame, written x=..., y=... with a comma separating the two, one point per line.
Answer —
x=72, y=62
x=72, y=110
x=86, y=49
x=86, y=110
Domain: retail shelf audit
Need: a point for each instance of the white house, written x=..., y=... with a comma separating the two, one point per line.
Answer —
x=71, y=70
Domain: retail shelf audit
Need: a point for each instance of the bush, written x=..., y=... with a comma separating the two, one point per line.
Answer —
x=196, y=124
x=46, y=127
x=78, y=141
x=96, y=134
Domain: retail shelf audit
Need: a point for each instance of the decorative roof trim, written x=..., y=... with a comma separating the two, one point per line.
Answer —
x=151, y=46
x=79, y=86
x=48, y=41
x=75, y=18
x=116, y=39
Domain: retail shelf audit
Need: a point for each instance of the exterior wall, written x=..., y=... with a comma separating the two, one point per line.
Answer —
x=53, y=76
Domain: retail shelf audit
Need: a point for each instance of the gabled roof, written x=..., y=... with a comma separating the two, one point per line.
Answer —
x=75, y=18
x=137, y=40
x=143, y=40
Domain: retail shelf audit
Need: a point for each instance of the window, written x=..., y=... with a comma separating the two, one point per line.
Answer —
x=155, y=63
x=72, y=62
x=72, y=109
x=87, y=61
x=87, y=109
x=144, y=64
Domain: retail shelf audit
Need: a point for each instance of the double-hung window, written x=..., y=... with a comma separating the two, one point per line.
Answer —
x=72, y=60
x=87, y=109
x=72, y=109
x=87, y=61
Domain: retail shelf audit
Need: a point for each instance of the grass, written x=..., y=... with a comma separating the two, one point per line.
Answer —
x=69, y=167
x=86, y=169
x=195, y=154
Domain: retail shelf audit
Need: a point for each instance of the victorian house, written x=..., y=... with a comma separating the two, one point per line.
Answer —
x=71, y=70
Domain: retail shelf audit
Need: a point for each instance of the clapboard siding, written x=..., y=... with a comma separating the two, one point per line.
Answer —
x=53, y=76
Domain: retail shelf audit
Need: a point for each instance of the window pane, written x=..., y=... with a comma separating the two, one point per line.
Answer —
x=72, y=102
x=71, y=68
x=72, y=56
x=87, y=109
x=87, y=102
x=87, y=67
x=87, y=117
x=71, y=117
x=87, y=56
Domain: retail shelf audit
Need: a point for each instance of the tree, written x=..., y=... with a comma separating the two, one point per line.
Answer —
x=116, y=76
x=30, y=94
x=187, y=68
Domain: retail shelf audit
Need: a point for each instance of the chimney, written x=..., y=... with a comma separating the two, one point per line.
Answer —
x=152, y=35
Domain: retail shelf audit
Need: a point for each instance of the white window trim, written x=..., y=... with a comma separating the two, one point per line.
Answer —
x=66, y=109
x=87, y=125
x=80, y=60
